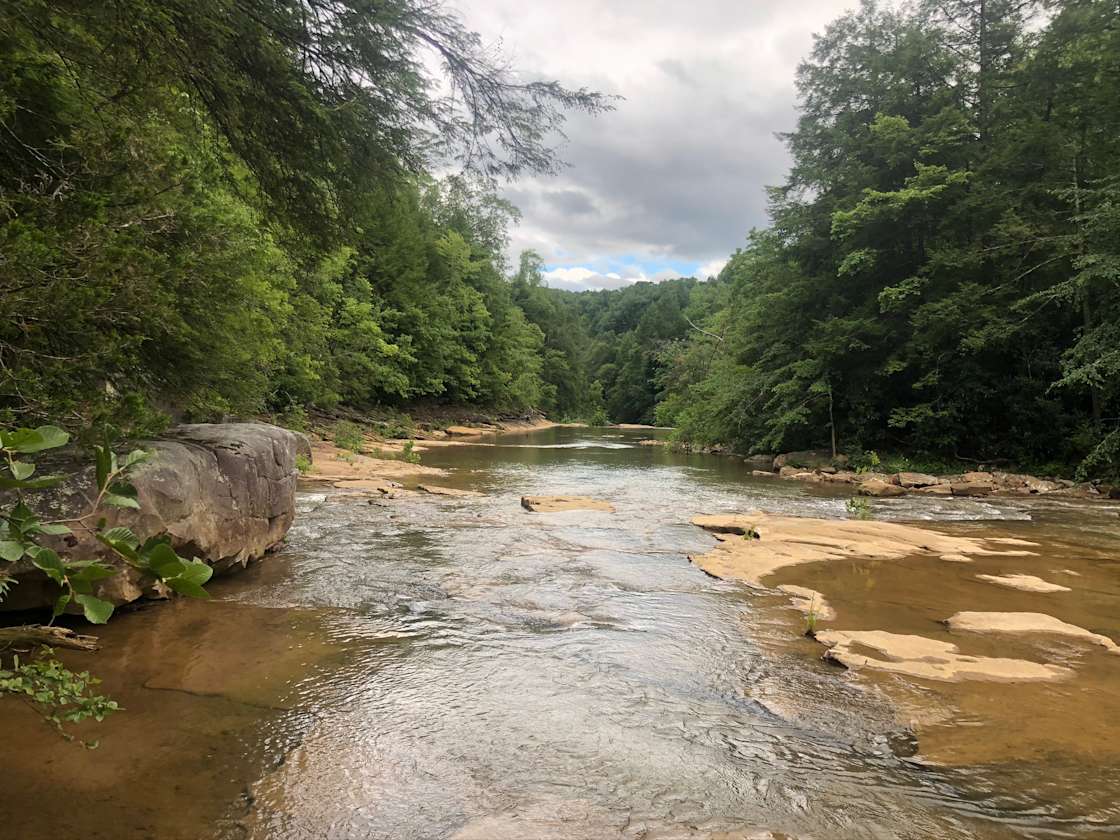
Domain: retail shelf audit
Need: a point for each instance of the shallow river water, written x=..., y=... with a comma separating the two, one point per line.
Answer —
x=430, y=667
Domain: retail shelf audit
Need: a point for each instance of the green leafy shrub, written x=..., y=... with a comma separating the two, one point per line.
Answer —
x=409, y=454
x=293, y=417
x=303, y=464
x=866, y=462
x=348, y=436
x=398, y=426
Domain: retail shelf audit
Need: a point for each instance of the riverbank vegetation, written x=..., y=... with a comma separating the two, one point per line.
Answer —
x=943, y=270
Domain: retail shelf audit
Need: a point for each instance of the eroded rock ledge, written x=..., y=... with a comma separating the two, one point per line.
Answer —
x=221, y=492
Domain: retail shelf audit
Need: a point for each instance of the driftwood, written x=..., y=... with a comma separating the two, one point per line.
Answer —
x=38, y=634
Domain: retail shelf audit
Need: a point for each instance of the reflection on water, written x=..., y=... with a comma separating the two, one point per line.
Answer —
x=432, y=667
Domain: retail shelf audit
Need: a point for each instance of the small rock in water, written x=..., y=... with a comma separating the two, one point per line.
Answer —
x=876, y=487
x=971, y=488
x=445, y=491
x=555, y=504
x=913, y=479
x=1026, y=583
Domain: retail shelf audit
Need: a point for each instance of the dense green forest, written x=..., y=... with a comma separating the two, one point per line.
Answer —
x=212, y=210
x=208, y=212
x=943, y=270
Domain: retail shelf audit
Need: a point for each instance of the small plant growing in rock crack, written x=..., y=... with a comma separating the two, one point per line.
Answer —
x=59, y=695
x=811, y=618
x=303, y=464
x=752, y=534
x=859, y=508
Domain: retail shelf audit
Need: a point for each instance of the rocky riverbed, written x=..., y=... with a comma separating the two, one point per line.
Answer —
x=424, y=664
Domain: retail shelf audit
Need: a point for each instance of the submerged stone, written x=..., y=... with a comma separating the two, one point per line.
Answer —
x=1026, y=623
x=1026, y=583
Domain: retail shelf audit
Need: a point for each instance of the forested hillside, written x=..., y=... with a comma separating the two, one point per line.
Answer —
x=213, y=209
x=943, y=270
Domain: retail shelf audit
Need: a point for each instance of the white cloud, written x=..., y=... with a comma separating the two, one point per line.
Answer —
x=579, y=278
x=712, y=268
x=677, y=172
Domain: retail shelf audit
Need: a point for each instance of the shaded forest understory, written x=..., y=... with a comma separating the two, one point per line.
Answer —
x=211, y=210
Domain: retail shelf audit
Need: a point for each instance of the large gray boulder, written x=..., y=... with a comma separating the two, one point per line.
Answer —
x=222, y=492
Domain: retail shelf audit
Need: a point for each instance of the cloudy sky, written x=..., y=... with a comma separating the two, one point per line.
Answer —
x=669, y=183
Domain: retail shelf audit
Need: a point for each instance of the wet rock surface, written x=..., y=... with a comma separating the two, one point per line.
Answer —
x=916, y=656
x=557, y=504
x=756, y=544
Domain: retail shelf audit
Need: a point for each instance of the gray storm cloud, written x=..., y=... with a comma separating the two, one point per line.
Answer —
x=677, y=173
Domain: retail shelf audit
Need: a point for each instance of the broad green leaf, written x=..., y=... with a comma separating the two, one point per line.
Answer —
x=49, y=562
x=11, y=550
x=27, y=441
x=190, y=580
x=91, y=571
x=163, y=561
x=113, y=500
x=151, y=542
x=197, y=571
x=21, y=470
x=32, y=484
x=186, y=587
x=61, y=604
x=56, y=530
x=122, y=535
x=136, y=456
x=123, y=488
x=125, y=545
x=96, y=610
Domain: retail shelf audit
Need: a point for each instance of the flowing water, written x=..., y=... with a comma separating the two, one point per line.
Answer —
x=430, y=667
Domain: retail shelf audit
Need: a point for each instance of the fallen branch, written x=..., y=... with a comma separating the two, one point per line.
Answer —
x=39, y=634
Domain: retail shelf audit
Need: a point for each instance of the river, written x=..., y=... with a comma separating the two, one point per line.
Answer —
x=429, y=667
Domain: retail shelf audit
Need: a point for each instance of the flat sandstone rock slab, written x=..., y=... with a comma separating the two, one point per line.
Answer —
x=781, y=541
x=1026, y=623
x=555, y=504
x=917, y=656
x=1026, y=583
